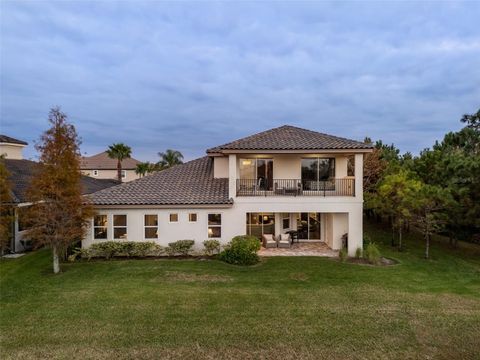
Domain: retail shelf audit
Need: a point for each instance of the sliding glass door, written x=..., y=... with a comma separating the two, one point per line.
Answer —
x=309, y=226
x=257, y=171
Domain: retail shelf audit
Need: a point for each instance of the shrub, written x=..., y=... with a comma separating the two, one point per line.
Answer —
x=106, y=249
x=358, y=253
x=211, y=246
x=367, y=239
x=182, y=247
x=242, y=250
x=343, y=255
x=372, y=254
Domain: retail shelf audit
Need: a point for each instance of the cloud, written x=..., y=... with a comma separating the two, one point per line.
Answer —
x=190, y=76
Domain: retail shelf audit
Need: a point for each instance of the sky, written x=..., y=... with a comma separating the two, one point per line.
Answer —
x=193, y=75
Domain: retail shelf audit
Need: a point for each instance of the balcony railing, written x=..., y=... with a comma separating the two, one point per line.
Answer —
x=295, y=187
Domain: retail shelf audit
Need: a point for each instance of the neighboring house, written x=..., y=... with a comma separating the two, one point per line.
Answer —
x=101, y=166
x=21, y=174
x=279, y=180
x=11, y=148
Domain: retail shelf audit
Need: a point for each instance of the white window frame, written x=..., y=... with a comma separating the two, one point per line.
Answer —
x=118, y=226
x=124, y=174
x=196, y=217
x=94, y=227
x=150, y=227
x=210, y=226
x=95, y=172
x=170, y=218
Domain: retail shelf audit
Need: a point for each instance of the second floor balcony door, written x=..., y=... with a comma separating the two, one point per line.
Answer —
x=257, y=173
x=265, y=173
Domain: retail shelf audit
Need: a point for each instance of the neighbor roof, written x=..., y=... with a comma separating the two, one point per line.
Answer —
x=191, y=183
x=10, y=140
x=23, y=171
x=103, y=162
x=290, y=138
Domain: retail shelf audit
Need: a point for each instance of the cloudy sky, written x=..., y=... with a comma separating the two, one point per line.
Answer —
x=189, y=76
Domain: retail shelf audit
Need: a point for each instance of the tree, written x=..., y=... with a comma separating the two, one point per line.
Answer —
x=120, y=152
x=6, y=208
x=396, y=199
x=145, y=168
x=170, y=158
x=473, y=120
x=429, y=216
x=59, y=214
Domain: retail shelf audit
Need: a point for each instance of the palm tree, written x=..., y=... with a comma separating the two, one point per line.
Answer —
x=120, y=152
x=170, y=158
x=144, y=168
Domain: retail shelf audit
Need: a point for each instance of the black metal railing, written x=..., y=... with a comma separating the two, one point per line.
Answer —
x=295, y=187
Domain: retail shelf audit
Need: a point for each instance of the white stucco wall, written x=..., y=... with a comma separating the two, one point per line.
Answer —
x=220, y=167
x=12, y=151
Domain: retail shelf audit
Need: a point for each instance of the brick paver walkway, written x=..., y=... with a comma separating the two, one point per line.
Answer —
x=300, y=249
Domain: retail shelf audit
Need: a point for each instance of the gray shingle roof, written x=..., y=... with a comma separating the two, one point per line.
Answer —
x=10, y=140
x=102, y=161
x=290, y=138
x=191, y=183
x=23, y=171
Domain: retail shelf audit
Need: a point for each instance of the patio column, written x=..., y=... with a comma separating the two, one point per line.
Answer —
x=355, y=231
x=232, y=176
x=359, y=176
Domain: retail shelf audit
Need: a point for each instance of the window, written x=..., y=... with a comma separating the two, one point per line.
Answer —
x=286, y=221
x=260, y=223
x=192, y=217
x=214, y=225
x=258, y=172
x=124, y=174
x=174, y=218
x=95, y=172
x=119, y=226
x=151, y=227
x=315, y=171
x=100, y=228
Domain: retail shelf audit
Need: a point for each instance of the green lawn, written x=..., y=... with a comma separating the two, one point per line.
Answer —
x=283, y=308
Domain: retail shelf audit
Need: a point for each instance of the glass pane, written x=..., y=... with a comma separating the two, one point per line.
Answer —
x=100, y=233
x=247, y=168
x=268, y=220
x=326, y=169
x=119, y=220
x=100, y=220
x=214, y=232
x=151, y=233
x=302, y=226
x=256, y=225
x=309, y=173
x=173, y=217
x=192, y=217
x=314, y=226
x=214, y=219
x=151, y=220
x=285, y=223
x=120, y=233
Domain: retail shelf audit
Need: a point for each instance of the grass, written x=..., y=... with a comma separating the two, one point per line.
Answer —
x=283, y=308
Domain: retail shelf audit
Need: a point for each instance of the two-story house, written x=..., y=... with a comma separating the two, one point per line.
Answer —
x=101, y=166
x=280, y=180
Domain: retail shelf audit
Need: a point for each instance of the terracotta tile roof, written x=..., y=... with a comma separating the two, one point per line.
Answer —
x=10, y=140
x=22, y=172
x=103, y=162
x=191, y=183
x=290, y=138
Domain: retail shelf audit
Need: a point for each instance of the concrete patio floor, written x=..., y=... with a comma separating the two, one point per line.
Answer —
x=300, y=249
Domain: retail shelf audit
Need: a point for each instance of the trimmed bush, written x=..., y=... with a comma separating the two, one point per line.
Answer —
x=242, y=250
x=343, y=255
x=358, y=253
x=372, y=254
x=109, y=249
x=211, y=247
x=180, y=247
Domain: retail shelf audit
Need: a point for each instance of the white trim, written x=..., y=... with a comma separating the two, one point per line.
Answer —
x=220, y=226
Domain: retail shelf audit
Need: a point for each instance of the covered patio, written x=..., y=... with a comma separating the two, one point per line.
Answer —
x=300, y=249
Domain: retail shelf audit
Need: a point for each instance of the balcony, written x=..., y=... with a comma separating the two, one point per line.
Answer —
x=295, y=187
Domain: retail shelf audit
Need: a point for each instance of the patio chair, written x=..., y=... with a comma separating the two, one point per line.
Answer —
x=284, y=241
x=269, y=241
